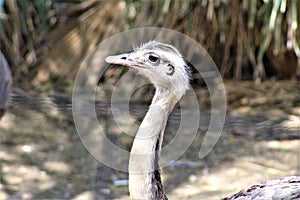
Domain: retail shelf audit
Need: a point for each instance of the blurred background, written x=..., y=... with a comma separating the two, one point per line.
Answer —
x=254, y=43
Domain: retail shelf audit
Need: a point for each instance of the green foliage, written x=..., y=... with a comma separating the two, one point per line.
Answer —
x=25, y=23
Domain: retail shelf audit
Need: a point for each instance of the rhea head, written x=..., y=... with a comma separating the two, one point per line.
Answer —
x=165, y=67
x=161, y=63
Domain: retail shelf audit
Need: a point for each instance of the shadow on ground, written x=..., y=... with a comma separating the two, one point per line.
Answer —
x=42, y=156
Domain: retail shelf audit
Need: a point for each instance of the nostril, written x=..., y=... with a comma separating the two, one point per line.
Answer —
x=123, y=58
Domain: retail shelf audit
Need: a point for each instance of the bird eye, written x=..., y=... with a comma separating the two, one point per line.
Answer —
x=153, y=58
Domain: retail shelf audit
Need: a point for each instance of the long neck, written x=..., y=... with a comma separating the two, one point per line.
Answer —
x=144, y=175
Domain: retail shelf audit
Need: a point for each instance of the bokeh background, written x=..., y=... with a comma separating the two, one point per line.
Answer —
x=254, y=43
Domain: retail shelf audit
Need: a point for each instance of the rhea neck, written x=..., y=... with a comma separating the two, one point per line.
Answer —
x=144, y=176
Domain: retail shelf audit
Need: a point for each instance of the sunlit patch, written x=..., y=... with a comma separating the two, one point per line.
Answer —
x=57, y=167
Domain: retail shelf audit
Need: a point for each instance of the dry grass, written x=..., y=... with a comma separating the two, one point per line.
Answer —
x=247, y=39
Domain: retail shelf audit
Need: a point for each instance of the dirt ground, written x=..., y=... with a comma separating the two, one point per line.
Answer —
x=42, y=156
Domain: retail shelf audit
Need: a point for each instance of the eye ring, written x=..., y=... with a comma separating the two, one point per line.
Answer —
x=153, y=58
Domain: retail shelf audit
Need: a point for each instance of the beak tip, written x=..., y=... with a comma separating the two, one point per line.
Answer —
x=109, y=59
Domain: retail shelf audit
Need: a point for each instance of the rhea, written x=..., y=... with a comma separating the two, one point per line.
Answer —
x=166, y=68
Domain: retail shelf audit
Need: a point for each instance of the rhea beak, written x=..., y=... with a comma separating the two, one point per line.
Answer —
x=126, y=59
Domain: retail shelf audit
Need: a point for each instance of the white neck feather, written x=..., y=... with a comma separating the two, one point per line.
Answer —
x=147, y=145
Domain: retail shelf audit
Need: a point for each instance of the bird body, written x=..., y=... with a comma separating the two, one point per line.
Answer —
x=287, y=188
x=165, y=67
x=5, y=84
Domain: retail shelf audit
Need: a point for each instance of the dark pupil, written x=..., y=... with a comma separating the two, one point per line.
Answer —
x=153, y=58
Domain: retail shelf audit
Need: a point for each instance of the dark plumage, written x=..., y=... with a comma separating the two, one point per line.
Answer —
x=287, y=188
